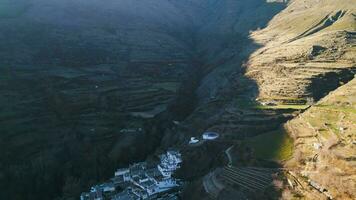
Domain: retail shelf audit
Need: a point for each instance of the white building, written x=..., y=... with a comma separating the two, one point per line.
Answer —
x=193, y=140
x=170, y=162
x=108, y=187
x=210, y=135
x=140, y=181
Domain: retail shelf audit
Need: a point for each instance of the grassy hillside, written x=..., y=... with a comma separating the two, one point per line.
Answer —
x=324, y=143
x=275, y=145
x=307, y=50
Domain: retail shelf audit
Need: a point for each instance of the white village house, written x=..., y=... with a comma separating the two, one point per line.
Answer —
x=139, y=181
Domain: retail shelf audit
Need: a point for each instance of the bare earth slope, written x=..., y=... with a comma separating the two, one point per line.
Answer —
x=308, y=49
x=325, y=145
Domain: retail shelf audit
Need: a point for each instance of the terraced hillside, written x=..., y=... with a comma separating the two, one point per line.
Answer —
x=87, y=87
x=324, y=138
x=297, y=62
x=82, y=82
x=308, y=50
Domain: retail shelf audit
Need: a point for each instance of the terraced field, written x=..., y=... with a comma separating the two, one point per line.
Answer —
x=253, y=179
x=85, y=89
x=72, y=82
x=305, y=52
x=324, y=136
x=238, y=179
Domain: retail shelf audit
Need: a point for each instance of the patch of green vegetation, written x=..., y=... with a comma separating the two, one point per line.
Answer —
x=328, y=117
x=282, y=106
x=276, y=145
x=246, y=103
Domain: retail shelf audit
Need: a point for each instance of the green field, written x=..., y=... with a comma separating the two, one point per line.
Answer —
x=276, y=145
x=248, y=104
x=283, y=106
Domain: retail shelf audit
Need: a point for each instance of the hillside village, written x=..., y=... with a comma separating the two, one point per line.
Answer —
x=141, y=180
x=256, y=97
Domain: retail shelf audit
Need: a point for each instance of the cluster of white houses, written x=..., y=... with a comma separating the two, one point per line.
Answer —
x=140, y=181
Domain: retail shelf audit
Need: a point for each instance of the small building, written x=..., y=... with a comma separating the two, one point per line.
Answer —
x=268, y=103
x=210, y=136
x=121, y=171
x=193, y=140
x=108, y=187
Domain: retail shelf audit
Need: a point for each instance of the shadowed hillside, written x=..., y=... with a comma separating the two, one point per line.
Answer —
x=88, y=86
x=84, y=83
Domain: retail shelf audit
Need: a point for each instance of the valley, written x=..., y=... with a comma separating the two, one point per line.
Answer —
x=89, y=87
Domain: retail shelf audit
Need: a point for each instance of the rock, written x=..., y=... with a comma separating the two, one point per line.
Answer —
x=315, y=50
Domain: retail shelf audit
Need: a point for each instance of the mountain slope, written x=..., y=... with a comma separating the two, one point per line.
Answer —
x=307, y=50
x=324, y=138
x=89, y=86
x=84, y=83
x=79, y=80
